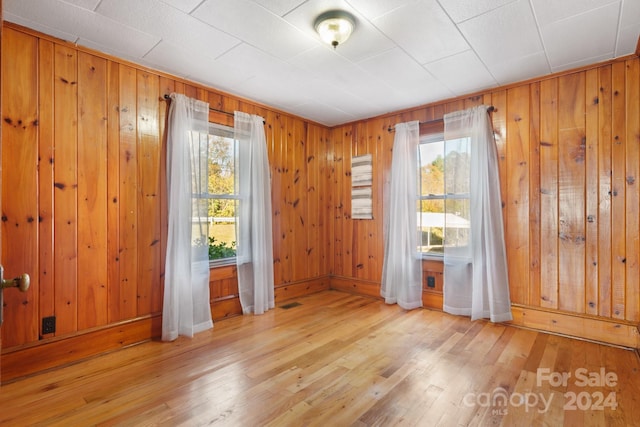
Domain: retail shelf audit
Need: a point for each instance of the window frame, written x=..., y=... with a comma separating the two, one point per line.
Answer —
x=429, y=133
x=432, y=132
x=222, y=262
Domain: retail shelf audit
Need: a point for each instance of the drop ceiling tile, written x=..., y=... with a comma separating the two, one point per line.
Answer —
x=520, y=68
x=321, y=63
x=280, y=7
x=368, y=90
x=462, y=73
x=306, y=13
x=250, y=58
x=629, y=28
x=86, y=4
x=282, y=95
x=54, y=32
x=411, y=81
x=396, y=66
x=255, y=25
x=461, y=10
x=90, y=26
x=424, y=30
x=548, y=11
x=373, y=9
x=627, y=40
x=504, y=33
x=323, y=114
x=630, y=14
x=261, y=65
x=588, y=35
x=582, y=62
x=166, y=22
x=326, y=65
x=340, y=97
x=178, y=60
x=186, y=6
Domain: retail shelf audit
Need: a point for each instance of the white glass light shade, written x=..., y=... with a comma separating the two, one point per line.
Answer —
x=335, y=27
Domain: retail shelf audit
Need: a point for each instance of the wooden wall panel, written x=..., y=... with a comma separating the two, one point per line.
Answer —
x=311, y=161
x=113, y=192
x=548, y=195
x=592, y=192
x=517, y=196
x=66, y=188
x=148, y=151
x=92, y=191
x=273, y=131
x=632, y=191
x=19, y=183
x=618, y=184
x=605, y=191
x=571, y=192
x=128, y=194
x=338, y=208
x=296, y=167
x=46, y=189
x=534, y=195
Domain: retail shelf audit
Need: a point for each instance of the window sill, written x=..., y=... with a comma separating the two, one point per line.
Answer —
x=432, y=257
x=215, y=263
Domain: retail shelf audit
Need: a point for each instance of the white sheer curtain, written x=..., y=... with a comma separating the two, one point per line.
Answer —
x=476, y=282
x=255, y=238
x=186, y=308
x=402, y=267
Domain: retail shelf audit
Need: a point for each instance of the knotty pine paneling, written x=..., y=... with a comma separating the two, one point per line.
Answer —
x=84, y=184
x=65, y=184
x=618, y=187
x=516, y=198
x=45, y=249
x=632, y=231
x=20, y=180
x=571, y=192
x=92, y=190
x=127, y=200
x=569, y=157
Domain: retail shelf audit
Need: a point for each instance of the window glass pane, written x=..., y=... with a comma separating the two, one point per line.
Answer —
x=443, y=211
x=222, y=197
x=221, y=165
x=431, y=168
x=431, y=226
x=222, y=229
x=457, y=230
x=457, y=164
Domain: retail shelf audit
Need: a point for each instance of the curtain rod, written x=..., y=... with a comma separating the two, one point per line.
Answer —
x=490, y=109
x=168, y=97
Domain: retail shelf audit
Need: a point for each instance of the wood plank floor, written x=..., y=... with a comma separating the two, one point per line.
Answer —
x=338, y=359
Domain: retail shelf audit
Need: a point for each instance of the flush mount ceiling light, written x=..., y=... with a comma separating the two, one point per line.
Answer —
x=335, y=26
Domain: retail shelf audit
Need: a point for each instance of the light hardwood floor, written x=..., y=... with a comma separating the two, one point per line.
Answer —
x=337, y=359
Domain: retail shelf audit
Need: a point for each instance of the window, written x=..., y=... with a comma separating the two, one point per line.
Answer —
x=444, y=204
x=222, y=194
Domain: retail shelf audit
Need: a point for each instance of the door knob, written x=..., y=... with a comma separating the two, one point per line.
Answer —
x=21, y=282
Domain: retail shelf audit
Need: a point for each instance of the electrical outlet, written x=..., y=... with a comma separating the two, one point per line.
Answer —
x=431, y=282
x=48, y=325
